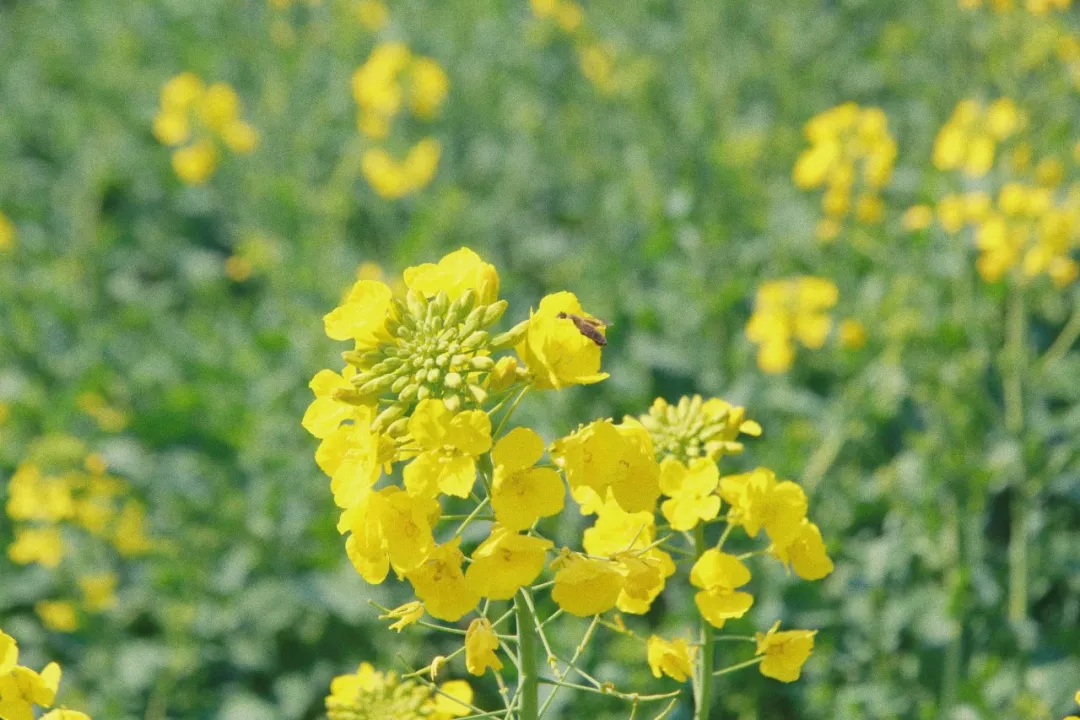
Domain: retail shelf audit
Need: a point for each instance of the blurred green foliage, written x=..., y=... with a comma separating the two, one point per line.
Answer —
x=663, y=203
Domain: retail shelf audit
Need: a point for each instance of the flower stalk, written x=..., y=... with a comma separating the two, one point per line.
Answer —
x=528, y=679
x=704, y=681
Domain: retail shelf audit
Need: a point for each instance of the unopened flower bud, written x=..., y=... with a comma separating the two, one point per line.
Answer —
x=494, y=312
x=511, y=337
x=482, y=363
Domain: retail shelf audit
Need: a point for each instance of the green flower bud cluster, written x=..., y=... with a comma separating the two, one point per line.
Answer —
x=389, y=698
x=438, y=349
x=695, y=428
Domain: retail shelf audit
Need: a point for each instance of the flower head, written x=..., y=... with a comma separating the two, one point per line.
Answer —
x=690, y=491
x=562, y=344
x=604, y=456
x=673, y=658
x=389, y=528
x=449, y=444
x=481, y=644
x=404, y=615
x=440, y=583
x=785, y=652
x=759, y=501
x=522, y=494
x=505, y=562
x=695, y=428
x=586, y=586
x=718, y=574
x=786, y=310
x=805, y=554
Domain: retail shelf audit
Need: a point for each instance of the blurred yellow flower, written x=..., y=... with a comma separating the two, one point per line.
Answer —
x=428, y=87
x=99, y=591
x=852, y=334
x=58, y=615
x=372, y=14
x=42, y=545
x=968, y=140
x=446, y=705
x=393, y=179
x=195, y=163
x=917, y=217
x=481, y=645
x=786, y=310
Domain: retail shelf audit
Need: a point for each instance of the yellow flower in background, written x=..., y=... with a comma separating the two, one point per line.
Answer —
x=789, y=310
x=785, y=652
x=7, y=233
x=446, y=708
x=389, y=528
x=368, y=693
x=917, y=217
x=805, y=553
x=481, y=645
x=99, y=591
x=454, y=274
x=372, y=14
x=192, y=117
x=428, y=87
x=32, y=496
x=585, y=586
x=129, y=535
x=58, y=615
x=37, y=545
x=449, y=444
x=604, y=456
x=968, y=140
x=195, y=163
x=393, y=179
x=673, y=658
x=506, y=562
x=718, y=575
x=440, y=583
x=851, y=333
x=850, y=149
x=562, y=344
x=522, y=494
x=690, y=490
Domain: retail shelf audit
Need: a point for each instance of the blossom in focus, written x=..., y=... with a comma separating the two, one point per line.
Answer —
x=449, y=444
x=718, y=575
x=521, y=494
x=505, y=562
x=604, y=456
x=440, y=583
x=785, y=652
x=759, y=501
x=556, y=350
x=673, y=658
x=585, y=586
x=690, y=491
x=481, y=645
x=805, y=553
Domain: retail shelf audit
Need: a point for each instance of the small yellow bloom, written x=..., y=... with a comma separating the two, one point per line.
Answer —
x=506, y=562
x=37, y=545
x=785, y=652
x=785, y=310
x=481, y=645
x=691, y=492
x=917, y=217
x=58, y=615
x=362, y=315
x=806, y=553
x=455, y=273
x=585, y=586
x=23, y=688
x=7, y=233
x=569, y=16
x=555, y=350
x=219, y=106
x=521, y=494
x=504, y=374
x=373, y=14
x=404, y=615
x=65, y=714
x=603, y=456
x=428, y=87
x=240, y=137
x=354, y=455
x=449, y=446
x=718, y=574
x=389, y=528
x=181, y=92
x=617, y=531
x=644, y=578
x=852, y=334
x=673, y=658
x=326, y=412
x=195, y=164
x=171, y=127
x=99, y=591
x=440, y=583
x=759, y=501
x=129, y=533
x=395, y=179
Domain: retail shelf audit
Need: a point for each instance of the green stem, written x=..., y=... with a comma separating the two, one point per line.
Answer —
x=528, y=679
x=1014, y=358
x=704, y=681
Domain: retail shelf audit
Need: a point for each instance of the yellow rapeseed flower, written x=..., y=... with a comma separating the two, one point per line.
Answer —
x=440, y=583
x=586, y=586
x=42, y=545
x=786, y=310
x=718, y=575
x=454, y=274
x=521, y=494
x=673, y=658
x=562, y=344
x=58, y=615
x=505, y=562
x=389, y=528
x=691, y=492
x=805, y=554
x=785, y=652
x=481, y=645
x=605, y=456
x=758, y=501
x=195, y=163
x=449, y=444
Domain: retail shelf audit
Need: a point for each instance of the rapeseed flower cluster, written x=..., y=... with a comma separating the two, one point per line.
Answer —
x=851, y=155
x=59, y=510
x=196, y=119
x=369, y=694
x=969, y=139
x=416, y=440
x=22, y=688
x=789, y=310
x=389, y=82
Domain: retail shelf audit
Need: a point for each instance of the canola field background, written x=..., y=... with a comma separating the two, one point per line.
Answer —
x=858, y=219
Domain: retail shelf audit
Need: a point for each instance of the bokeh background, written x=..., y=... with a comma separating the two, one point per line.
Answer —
x=163, y=317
